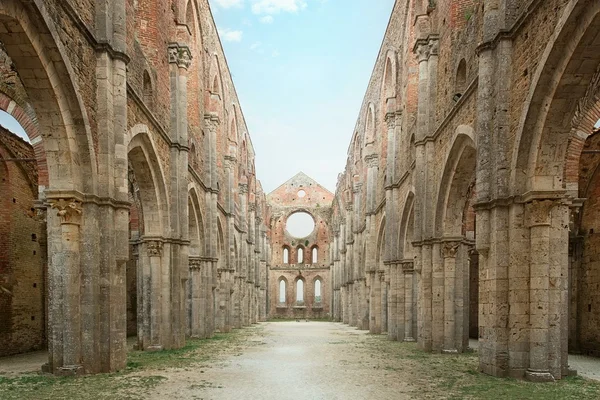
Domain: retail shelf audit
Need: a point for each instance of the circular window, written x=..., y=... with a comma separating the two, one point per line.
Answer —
x=300, y=225
x=301, y=193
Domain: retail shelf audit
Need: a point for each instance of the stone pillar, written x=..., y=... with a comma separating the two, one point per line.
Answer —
x=547, y=300
x=409, y=303
x=211, y=124
x=428, y=263
x=64, y=330
x=449, y=250
x=179, y=60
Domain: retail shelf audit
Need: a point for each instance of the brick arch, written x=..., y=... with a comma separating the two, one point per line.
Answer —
x=458, y=175
x=583, y=128
x=547, y=139
x=32, y=44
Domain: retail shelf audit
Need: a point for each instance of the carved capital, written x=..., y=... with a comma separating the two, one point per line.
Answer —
x=390, y=119
x=69, y=210
x=539, y=212
x=422, y=51
x=180, y=55
x=154, y=248
x=434, y=46
x=449, y=249
x=243, y=188
x=195, y=263
x=372, y=160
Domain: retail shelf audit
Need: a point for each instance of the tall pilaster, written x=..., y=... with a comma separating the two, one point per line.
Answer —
x=180, y=58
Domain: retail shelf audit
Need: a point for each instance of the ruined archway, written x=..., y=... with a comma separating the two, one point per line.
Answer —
x=456, y=232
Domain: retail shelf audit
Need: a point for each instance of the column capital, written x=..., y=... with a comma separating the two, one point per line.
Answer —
x=449, y=249
x=372, y=160
x=180, y=54
x=69, y=210
x=539, y=212
x=243, y=188
x=154, y=248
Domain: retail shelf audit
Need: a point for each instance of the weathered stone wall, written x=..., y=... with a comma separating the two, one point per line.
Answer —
x=484, y=111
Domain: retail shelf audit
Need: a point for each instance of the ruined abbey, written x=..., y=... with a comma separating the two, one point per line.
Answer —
x=468, y=207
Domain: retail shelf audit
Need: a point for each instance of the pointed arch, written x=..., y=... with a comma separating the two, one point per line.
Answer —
x=406, y=228
x=196, y=224
x=550, y=114
x=458, y=176
x=144, y=161
x=53, y=94
x=381, y=241
x=370, y=125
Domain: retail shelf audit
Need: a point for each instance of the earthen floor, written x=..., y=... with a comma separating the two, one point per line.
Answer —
x=295, y=360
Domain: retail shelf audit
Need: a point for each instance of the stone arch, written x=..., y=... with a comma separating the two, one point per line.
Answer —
x=389, y=84
x=215, y=91
x=196, y=224
x=406, y=233
x=370, y=125
x=550, y=110
x=145, y=163
x=380, y=241
x=31, y=41
x=459, y=173
x=148, y=89
x=460, y=82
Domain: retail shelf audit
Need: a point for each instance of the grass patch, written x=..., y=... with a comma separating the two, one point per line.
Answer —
x=140, y=377
x=442, y=376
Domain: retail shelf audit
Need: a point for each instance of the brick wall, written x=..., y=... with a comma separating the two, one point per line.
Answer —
x=22, y=253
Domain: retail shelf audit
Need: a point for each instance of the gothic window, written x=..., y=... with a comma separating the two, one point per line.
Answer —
x=318, y=291
x=300, y=291
x=282, y=291
x=286, y=255
x=315, y=255
x=300, y=255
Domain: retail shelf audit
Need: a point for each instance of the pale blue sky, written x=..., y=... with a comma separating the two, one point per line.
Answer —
x=301, y=69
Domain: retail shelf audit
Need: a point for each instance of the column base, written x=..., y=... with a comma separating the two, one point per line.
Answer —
x=409, y=339
x=156, y=347
x=70, y=370
x=533, y=375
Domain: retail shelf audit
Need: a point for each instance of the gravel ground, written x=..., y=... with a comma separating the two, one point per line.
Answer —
x=293, y=360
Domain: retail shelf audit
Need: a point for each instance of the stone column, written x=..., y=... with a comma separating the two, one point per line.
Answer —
x=449, y=250
x=180, y=58
x=409, y=304
x=546, y=287
x=64, y=287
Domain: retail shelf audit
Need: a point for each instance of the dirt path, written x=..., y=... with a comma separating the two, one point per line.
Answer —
x=313, y=360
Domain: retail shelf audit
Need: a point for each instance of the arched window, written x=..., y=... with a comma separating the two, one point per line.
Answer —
x=282, y=291
x=147, y=89
x=300, y=291
x=300, y=255
x=286, y=255
x=315, y=255
x=318, y=291
x=461, y=80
